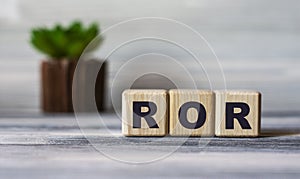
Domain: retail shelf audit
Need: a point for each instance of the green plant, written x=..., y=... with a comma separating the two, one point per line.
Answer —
x=65, y=42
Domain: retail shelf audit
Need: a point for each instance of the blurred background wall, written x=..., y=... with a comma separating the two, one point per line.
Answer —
x=257, y=42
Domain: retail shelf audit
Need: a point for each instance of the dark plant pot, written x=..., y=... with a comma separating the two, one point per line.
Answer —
x=57, y=79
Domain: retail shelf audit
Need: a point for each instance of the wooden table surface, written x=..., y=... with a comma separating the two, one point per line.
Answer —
x=256, y=41
x=54, y=146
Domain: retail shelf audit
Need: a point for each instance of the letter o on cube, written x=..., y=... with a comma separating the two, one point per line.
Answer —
x=191, y=113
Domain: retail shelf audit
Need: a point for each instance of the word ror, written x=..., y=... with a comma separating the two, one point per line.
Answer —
x=191, y=113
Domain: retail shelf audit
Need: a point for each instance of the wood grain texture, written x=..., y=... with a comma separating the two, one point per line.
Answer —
x=159, y=97
x=56, y=79
x=53, y=146
x=253, y=99
x=178, y=98
x=89, y=88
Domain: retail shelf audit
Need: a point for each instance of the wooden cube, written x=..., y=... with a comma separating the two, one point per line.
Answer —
x=191, y=113
x=238, y=113
x=144, y=113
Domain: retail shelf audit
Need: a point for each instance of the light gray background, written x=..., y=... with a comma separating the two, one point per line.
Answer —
x=257, y=42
